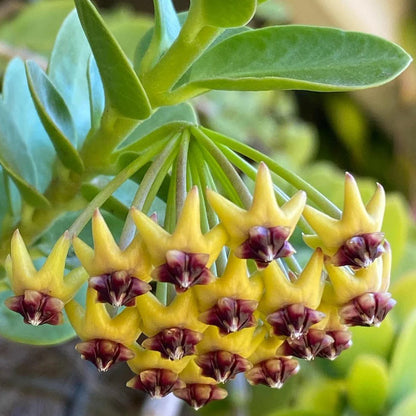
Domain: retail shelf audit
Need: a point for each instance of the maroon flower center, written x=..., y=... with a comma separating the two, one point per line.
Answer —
x=368, y=309
x=184, y=270
x=157, y=382
x=173, y=343
x=360, y=251
x=222, y=365
x=342, y=341
x=37, y=308
x=294, y=320
x=230, y=315
x=265, y=245
x=198, y=395
x=103, y=353
x=273, y=372
x=308, y=346
x=118, y=288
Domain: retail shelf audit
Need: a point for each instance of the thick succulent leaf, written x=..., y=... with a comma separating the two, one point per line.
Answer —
x=405, y=407
x=16, y=160
x=68, y=72
x=367, y=385
x=230, y=13
x=13, y=328
x=400, y=291
x=163, y=116
x=123, y=88
x=403, y=364
x=165, y=32
x=20, y=108
x=55, y=116
x=298, y=57
x=96, y=93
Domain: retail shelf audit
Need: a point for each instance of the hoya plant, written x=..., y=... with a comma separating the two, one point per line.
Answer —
x=190, y=274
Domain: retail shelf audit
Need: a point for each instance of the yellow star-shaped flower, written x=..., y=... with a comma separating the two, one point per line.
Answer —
x=264, y=211
x=94, y=321
x=107, y=257
x=50, y=279
x=358, y=230
x=280, y=291
x=187, y=236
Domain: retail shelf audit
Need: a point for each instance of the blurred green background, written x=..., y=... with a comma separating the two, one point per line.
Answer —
x=369, y=133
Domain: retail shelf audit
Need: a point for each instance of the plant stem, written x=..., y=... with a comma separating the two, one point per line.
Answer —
x=181, y=169
x=114, y=184
x=193, y=39
x=313, y=194
x=100, y=143
x=145, y=192
x=225, y=164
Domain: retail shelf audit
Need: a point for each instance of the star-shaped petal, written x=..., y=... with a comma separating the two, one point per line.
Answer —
x=50, y=279
x=264, y=212
x=187, y=237
x=358, y=229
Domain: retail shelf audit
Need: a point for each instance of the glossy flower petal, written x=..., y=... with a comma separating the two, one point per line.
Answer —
x=182, y=312
x=94, y=322
x=264, y=212
x=187, y=237
x=280, y=292
x=358, y=220
x=50, y=279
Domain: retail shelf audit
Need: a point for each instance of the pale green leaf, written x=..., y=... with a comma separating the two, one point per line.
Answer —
x=55, y=116
x=406, y=407
x=298, y=57
x=165, y=32
x=68, y=72
x=123, y=88
x=21, y=110
x=16, y=160
x=400, y=291
x=96, y=93
x=403, y=364
x=367, y=385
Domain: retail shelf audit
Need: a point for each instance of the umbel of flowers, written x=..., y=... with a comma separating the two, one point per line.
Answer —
x=254, y=317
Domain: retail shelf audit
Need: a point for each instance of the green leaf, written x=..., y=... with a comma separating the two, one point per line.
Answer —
x=164, y=115
x=230, y=13
x=367, y=385
x=396, y=225
x=68, y=71
x=13, y=328
x=403, y=364
x=21, y=110
x=405, y=407
x=17, y=161
x=165, y=32
x=55, y=116
x=400, y=291
x=96, y=93
x=123, y=89
x=298, y=57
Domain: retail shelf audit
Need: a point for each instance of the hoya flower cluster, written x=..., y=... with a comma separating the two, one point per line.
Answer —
x=256, y=317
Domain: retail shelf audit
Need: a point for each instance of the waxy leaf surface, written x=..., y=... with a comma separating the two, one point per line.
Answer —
x=298, y=57
x=55, y=116
x=22, y=111
x=68, y=71
x=123, y=88
x=16, y=160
